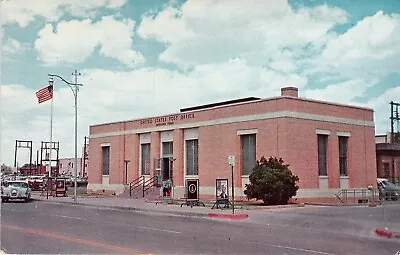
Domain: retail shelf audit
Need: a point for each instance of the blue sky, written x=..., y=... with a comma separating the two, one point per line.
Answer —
x=143, y=58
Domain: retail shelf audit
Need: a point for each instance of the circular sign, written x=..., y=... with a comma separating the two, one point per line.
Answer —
x=192, y=188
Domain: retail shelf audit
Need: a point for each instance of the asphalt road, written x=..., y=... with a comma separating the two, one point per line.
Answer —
x=45, y=228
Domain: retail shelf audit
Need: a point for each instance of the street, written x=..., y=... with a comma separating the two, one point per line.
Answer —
x=40, y=227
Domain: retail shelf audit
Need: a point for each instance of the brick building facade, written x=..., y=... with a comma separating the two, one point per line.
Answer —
x=329, y=146
x=388, y=157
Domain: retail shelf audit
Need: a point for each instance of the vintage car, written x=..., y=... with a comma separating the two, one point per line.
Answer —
x=35, y=182
x=388, y=190
x=15, y=190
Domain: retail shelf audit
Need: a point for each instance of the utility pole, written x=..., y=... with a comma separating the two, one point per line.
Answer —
x=74, y=88
x=75, y=73
x=394, y=116
x=84, y=157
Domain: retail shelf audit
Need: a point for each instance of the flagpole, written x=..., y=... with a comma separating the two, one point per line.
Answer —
x=51, y=83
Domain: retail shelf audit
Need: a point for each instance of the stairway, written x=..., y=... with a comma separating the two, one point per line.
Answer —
x=151, y=194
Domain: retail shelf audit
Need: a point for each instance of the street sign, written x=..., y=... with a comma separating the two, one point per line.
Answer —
x=221, y=189
x=192, y=189
x=231, y=160
x=60, y=187
x=167, y=189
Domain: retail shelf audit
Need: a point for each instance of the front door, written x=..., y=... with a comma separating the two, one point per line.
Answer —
x=166, y=164
x=165, y=169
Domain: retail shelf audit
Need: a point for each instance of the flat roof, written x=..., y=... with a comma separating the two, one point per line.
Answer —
x=228, y=102
x=246, y=100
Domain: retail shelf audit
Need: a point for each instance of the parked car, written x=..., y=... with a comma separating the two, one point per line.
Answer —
x=80, y=181
x=388, y=190
x=35, y=182
x=15, y=190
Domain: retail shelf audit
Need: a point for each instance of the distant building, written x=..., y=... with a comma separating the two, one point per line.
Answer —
x=66, y=166
x=388, y=157
x=31, y=169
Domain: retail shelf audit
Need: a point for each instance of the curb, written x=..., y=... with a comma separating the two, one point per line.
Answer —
x=343, y=205
x=138, y=210
x=229, y=216
x=271, y=207
x=384, y=232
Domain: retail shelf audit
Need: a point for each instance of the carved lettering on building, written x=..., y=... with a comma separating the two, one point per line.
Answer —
x=167, y=120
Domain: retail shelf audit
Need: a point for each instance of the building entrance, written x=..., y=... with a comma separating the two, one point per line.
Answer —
x=166, y=169
x=166, y=161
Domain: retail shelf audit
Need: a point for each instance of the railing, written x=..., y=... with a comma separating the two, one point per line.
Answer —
x=358, y=196
x=149, y=183
x=141, y=182
x=135, y=184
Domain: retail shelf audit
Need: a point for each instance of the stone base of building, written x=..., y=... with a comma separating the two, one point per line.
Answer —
x=208, y=193
x=108, y=189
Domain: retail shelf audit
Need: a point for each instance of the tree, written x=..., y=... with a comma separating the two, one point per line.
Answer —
x=272, y=182
x=6, y=169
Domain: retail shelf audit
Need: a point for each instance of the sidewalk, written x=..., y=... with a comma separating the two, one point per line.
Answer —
x=139, y=205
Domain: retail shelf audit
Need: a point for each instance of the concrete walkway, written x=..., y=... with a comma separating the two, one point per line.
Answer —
x=153, y=207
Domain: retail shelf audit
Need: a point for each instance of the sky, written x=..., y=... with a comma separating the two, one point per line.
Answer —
x=141, y=58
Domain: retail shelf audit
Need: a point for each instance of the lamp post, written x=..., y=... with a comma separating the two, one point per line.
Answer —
x=231, y=162
x=74, y=88
x=126, y=170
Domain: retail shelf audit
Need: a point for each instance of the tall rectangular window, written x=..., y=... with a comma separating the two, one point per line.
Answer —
x=167, y=148
x=106, y=160
x=386, y=171
x=322, y=159
x=145, y=159
x=248, y=144
x=343, y=144
x=192, y=157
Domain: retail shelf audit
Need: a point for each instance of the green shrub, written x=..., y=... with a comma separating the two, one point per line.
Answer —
x=272, y=182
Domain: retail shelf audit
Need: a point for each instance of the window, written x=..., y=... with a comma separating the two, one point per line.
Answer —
x=167, y=148
x=386, y=169
x=192, y=156
x=106, y=160
x=322, y=147
x=145, y=159
x=343, y=155
x=248, y=144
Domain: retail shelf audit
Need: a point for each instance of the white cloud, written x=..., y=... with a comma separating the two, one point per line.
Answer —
x=214, y=31
x=112, y=96
x=369, y=49
x=74, y=41
x=381, y=105
x=13, y=46
x=22, y=12
x=334, y=92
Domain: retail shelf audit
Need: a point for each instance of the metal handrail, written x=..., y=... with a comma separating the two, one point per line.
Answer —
x=345, y=195
x=149, y=183
x=135, y=184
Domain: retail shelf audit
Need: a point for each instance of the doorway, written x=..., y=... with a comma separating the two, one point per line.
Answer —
x=166, y=169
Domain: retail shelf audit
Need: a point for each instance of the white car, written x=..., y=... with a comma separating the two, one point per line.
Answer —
x=15, y=190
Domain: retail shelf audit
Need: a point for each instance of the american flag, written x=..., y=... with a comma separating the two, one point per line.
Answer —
x=44, y=94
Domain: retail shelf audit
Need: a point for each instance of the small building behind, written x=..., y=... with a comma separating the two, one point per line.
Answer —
x=66, y=166
x=388, y=156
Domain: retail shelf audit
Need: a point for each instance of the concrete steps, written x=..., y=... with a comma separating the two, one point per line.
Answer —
x=152, y=194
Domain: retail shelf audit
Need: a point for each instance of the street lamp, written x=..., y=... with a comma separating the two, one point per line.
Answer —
x=74, y=88
x=126, y=170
